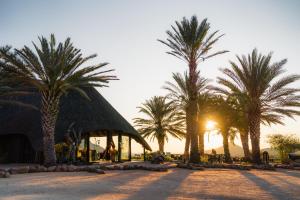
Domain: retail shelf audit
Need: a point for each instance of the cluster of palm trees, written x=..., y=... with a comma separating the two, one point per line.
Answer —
x=251, y=92
x=52, y=69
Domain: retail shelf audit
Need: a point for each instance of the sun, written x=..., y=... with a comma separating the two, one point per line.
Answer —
x=210, y=125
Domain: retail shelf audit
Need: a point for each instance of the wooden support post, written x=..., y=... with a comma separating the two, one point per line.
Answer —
x=119, y=147
x=87, y=140
x=129, y=156
x=144, y=154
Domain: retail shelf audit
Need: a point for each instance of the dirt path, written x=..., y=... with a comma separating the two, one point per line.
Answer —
x=137, y=184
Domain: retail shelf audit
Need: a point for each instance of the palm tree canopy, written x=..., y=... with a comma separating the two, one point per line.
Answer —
x=9, y=89
x=189, y=40
x=258, y=82
x=162, y=119
x=179, y=91
x=52, y=67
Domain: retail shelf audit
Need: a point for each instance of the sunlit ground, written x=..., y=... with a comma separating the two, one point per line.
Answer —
x=138, y=184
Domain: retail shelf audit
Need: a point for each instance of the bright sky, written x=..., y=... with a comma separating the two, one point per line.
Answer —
x=125, y=34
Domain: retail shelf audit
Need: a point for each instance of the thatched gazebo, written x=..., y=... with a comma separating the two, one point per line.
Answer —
x=21, y=133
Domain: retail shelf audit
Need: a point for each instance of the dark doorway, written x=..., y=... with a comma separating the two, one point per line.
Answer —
x=16, y=148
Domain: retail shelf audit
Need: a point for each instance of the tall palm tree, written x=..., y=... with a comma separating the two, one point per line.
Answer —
x=189, y=41
x=268, y=97
x=53, y=69
x=163, y=119
x=180, y=94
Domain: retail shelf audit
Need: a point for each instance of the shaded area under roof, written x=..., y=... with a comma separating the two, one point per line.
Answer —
x=91, y=115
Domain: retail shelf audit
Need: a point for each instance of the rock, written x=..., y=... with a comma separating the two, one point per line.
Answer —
x=6, y=175
x=264, y=167
x=113, y=167
x=33, y=169
x=58, y=168
x=19, y=170
x=197, y=168
x=296, y=164
x=296, y=168
x=51, y=169
x=284, y=166
x=2, y=173
x=71, y=168
x=64, y=168
x=129, y=167
x=42, y=168
x=99, y=171
x=82, y=168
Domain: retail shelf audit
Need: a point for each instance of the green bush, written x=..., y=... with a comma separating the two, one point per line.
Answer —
x=284, y=144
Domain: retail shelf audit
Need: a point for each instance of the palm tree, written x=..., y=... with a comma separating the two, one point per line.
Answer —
x=53, y=69
x=205, y=106
x=180, y=94
x=242, y=125
x=268, y=98
x=190, y=42
x=163, y=119
x=225, y=115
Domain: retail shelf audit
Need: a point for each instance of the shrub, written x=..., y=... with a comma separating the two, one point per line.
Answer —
x=284, y=144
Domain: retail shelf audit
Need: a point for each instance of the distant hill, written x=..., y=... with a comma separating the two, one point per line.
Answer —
x=237, y=151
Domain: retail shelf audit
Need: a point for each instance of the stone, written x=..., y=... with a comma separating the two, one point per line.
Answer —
x=64, y=168
x=264, y=167
x=42, y=168
x=2, y=173
x=51, y=169
x=296, y=164
x=33, y=169
x=99, y=171
x=6, y=175
x=58, y=168
x=71, y=168
x=197, y=168
x=19, y=170
x=82, y=168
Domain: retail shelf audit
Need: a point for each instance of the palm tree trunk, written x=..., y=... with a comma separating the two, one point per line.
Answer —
x=201, y=140
x=254, y=126
x=194, y=150
x=193, y=113
x=187, y=144
x=245, y=143
x=49, y=112
x=161, y=145
x=226, y=146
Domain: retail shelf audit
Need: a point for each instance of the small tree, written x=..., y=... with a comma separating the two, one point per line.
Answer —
x=284, y=144
x=162, y=120
x=74, y=139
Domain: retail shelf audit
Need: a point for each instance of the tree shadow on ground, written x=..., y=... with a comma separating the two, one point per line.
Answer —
x=275, y=191
x=91, y=184
x=293, y=173
x=170, y=183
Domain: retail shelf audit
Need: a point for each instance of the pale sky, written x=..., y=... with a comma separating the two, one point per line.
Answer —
x=125, y=33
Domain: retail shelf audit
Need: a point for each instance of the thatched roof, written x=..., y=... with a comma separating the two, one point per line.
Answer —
x=91, y=115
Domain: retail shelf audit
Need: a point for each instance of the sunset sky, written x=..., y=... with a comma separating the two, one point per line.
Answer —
x=125, y=33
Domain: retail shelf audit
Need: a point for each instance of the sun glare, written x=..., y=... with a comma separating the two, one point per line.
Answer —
x=210, y=125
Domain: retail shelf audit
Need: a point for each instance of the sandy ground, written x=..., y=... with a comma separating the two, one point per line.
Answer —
x=138, y=184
